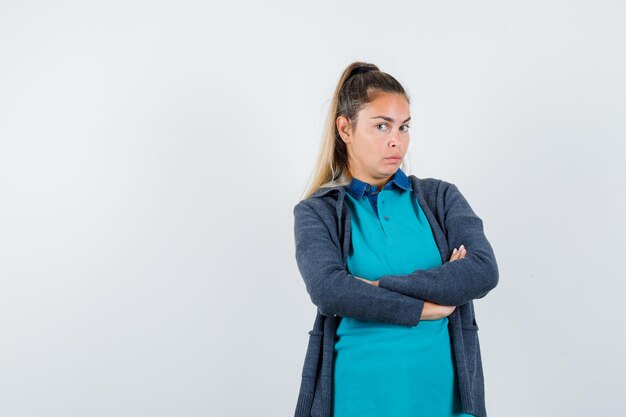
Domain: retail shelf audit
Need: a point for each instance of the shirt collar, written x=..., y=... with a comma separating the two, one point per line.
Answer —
x=358, y=188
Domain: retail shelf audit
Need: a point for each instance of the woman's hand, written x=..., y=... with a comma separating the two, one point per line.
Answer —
x=434, y=311
x=458, y=253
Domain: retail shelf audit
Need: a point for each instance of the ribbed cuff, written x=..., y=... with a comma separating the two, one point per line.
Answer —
x=395, y=283
x=303, y=406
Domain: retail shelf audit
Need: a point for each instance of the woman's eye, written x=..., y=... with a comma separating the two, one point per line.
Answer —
x=384, y=127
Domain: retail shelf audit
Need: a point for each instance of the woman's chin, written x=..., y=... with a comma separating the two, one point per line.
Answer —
x=389, y=167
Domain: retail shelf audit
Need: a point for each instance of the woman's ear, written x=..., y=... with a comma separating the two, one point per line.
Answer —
x=344, y=127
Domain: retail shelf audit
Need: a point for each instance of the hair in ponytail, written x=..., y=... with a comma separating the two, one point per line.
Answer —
x=358, y=85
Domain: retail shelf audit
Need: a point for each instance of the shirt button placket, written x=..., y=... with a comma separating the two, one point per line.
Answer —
x=383, y=217
x=382, y=202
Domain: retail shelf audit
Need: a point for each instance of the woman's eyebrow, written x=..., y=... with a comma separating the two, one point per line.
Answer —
x=389, y=119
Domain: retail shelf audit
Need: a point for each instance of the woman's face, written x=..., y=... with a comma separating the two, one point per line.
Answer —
x=382, y=132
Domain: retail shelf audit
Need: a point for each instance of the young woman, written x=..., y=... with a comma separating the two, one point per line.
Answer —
x=395, y=333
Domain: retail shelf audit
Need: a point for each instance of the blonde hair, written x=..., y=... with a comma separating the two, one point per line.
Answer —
x=358, y=85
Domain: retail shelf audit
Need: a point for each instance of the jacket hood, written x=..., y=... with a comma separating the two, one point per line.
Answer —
x=336, y=193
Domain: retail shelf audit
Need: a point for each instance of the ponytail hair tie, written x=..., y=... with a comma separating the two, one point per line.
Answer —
x=360, y=70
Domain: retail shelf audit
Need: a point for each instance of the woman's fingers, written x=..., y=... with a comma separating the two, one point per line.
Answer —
x=458, y=253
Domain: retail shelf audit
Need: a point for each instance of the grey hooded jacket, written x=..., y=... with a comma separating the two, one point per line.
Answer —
x=322, y=241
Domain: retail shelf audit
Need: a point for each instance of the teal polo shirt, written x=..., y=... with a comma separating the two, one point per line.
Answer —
x=385, y=369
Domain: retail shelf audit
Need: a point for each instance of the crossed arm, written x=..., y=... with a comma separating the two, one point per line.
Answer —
x=453, y=283
x=397, y=298
x=335, y=291
x=456, y=254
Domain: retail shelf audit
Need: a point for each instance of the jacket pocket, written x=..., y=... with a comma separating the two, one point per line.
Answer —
x=471, y=348
x=470, y=326
x=313, y=353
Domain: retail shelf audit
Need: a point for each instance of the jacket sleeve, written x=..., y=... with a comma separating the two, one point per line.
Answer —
x=336, y=292
x=458, y=282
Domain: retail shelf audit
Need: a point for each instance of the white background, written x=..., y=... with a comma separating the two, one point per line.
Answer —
x=151, y=154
